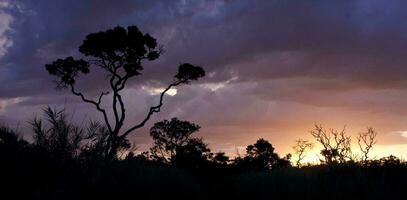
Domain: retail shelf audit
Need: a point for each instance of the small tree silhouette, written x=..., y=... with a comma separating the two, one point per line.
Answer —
x=169, y=136
x=336, y=144
x=220, y=158
x=366, y=140
x=194, y=154
x=120, y=53
x=261, y=155
x=300, y=147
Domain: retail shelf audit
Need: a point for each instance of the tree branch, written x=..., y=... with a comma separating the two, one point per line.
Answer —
x=113, y=86
x=122, y=110
x=153, y=109
x=96, y=104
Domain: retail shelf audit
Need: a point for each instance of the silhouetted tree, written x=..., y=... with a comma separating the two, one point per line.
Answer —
x=366, y=140
x=194, y=154
x=220, y=158
x=261, y=156
x=170, y=135
x=283, y=162
x=300, y=147
x=336, y=144
x=120, y=53
x=261, y=149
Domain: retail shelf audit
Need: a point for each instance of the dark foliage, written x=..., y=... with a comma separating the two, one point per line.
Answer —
x=261, y=156
x=194, y=154
x=221, y=158
x=188, y=72
x=169, y=136
x=64, y=162
x=317, y=182
x=67, y=70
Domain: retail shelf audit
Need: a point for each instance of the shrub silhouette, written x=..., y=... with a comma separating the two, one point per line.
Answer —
x=58, y=136
x=120, y=53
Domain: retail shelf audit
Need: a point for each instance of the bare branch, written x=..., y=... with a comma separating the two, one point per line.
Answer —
x=96, y=104
x=366, y=140
x=153, y=109
x=336, y=144
x=100, y=97
x=300, y=148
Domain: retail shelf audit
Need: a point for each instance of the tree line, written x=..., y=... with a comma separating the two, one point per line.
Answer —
x=174, y=144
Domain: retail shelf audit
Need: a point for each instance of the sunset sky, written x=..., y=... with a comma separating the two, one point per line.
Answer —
x=274, y=68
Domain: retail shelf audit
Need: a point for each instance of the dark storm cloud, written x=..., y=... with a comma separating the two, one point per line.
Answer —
x=46, y=30
x=358, y=40
x=361, y=41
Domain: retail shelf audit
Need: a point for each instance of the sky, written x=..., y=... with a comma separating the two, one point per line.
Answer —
x=274, y=68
